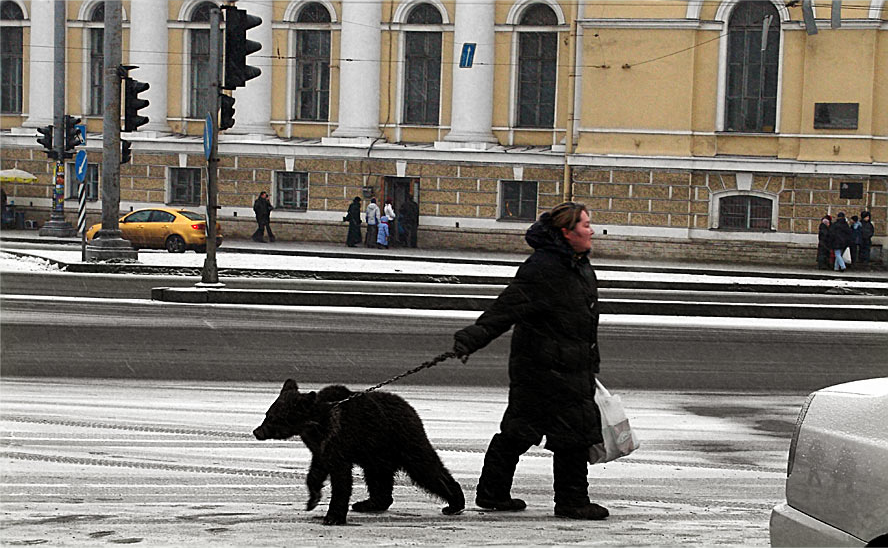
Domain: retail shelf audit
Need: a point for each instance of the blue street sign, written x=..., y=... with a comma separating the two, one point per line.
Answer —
x=80, y=165
x=82, y=128
x=208, y=136
x=468, y=55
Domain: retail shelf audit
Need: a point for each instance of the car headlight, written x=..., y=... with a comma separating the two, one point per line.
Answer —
x=795, y=434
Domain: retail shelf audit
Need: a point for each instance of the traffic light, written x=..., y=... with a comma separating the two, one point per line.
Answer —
x=125, y=153
x=237, y=47
x=46, y=140
x=73, y=138
x=227, y=118
x=131, y=119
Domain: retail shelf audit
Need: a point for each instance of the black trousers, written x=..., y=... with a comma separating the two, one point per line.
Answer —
x=260, y=232
x=569, y=471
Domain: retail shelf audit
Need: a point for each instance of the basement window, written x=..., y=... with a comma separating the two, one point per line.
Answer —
x=743, y=212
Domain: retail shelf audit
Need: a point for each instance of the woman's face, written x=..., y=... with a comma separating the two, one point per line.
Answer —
x=580, y=238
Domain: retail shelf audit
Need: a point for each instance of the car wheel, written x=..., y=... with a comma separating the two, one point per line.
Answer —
x=175, y=244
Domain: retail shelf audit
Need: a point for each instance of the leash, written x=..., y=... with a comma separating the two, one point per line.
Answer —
x=424, y=365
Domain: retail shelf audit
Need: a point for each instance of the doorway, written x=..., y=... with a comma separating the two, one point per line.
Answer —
x=398, y=188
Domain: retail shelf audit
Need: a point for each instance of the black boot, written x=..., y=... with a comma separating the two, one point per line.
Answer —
x=589, y=511
x=496, y=474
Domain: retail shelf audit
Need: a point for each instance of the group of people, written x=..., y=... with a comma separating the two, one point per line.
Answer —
x=835, y=237
x=384, y=228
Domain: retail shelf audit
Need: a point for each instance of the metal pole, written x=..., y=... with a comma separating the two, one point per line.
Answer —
x=210, y=273
x=107, y=243
x=57, y=226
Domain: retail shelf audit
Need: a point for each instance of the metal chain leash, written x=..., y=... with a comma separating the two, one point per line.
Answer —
x=424, y=365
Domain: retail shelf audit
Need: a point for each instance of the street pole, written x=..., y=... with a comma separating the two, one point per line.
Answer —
x=210, y=273
x=107, y=243
x=57, y=225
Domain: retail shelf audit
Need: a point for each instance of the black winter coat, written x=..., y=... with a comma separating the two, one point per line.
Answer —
x=823, y=239
x=553, y=304
x=866, y=231
x=262, y=208
x=839, y=234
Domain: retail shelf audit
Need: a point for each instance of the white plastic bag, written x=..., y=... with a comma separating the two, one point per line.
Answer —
x=846, y=255
x=619, y=438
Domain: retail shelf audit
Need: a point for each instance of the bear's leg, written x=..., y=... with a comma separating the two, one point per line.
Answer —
x=380, y=482
x=429, y=473
x=340, y=493
x=317, y=474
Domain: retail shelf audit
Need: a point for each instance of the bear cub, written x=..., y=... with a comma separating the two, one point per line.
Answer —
x=378, y=431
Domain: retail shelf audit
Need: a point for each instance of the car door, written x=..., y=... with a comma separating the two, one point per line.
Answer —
x=158, y=228
x=132, y=227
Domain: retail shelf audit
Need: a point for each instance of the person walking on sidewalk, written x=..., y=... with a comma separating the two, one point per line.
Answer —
x=353, y=216
x=553, y=304
x=840, y=238
x=262, y=208
x=823, y=250
x=866, y=237
x=409, y=215
x=372, y=218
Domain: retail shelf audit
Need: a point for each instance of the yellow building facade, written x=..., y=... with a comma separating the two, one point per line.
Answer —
x=719, y=130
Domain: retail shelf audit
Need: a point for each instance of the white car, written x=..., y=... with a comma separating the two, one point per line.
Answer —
x=837, y=478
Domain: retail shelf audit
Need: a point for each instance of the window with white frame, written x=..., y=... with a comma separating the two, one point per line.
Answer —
x=751, y=93
x=422, y=66
x=185, y=186
x=11, y=48
x=537, y=68
x=518, y=200
x=312, y=99
x=96, y=76
x=745, y=212
x=291, y=190
x=91, y=181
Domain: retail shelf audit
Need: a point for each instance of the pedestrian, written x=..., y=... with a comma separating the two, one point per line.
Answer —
x=856, y=239
x=262, y=208
x=409, y=215
x=389, y=211
x=823, y=250
x=353, y=216
x=839, y=238
x=372, y=217
x=382, y=238
x=866, y=237
x=552, y=302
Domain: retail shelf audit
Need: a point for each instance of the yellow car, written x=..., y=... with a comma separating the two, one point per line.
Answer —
x=164, y=228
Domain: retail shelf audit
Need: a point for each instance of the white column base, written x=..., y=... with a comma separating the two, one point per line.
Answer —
x=463, y=145
x=357, y=141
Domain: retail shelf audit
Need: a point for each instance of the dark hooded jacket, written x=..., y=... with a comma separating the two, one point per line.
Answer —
x=553, y=304
x=839, y=234
x=866, y=229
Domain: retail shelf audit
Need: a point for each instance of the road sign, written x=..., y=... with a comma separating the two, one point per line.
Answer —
x=208, y=136
x=80, y=165
x=468, y=55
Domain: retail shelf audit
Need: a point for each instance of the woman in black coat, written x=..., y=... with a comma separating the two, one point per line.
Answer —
x=353, y=216
x=839, y=239
x=823, y=248
x=553, y=304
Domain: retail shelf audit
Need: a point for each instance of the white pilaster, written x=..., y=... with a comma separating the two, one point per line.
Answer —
x=472, y=103
x=148, y=50
x=252, y=108
x=40, y=85
x=359, y=70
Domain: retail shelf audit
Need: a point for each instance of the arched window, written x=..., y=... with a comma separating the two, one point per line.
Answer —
x=96, y=78
x=11, y=18
x=313, y=63
x=537, y=68
x=751, y=94
x=199, y=85
x=422, y=66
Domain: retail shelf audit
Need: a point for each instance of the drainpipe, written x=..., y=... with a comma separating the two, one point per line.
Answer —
x=567, y=192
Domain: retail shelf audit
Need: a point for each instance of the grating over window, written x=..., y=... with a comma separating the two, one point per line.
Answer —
x=751, y=97
x=185, y=186
x=519, y=200
x=11, y=47
x=96, y=70
x=537, y=69
x=744, y=213
x=292, y=190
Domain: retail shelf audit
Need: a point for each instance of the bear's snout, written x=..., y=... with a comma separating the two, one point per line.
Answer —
x=260, y=433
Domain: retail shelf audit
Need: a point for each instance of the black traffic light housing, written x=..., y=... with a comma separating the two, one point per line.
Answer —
x=46, y=140
x=237, y=47
x=73, y=138
x=226, y=121
x=132, y=104
x=125, y=153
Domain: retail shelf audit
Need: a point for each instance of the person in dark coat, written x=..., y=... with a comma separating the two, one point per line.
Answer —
x=839, y=238
x=856, y=239
x=409, y=220
x=553, y=304
x=353, y=216
x=866, y=237
x=823, y=249
x=262, y=208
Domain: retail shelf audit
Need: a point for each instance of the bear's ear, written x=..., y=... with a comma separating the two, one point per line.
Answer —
x=290, y=384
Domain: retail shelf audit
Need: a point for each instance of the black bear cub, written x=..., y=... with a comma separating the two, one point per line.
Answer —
x=378, y=431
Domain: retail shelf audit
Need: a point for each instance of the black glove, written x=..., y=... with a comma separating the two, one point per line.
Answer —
x=461, y=348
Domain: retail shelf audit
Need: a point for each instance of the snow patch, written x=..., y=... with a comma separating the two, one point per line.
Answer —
x=19, y=263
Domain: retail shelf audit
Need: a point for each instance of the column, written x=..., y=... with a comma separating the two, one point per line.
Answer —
x=472, y=97
x=359, y=70
x=148, y=51
x=40, y=84
x=252, y=107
